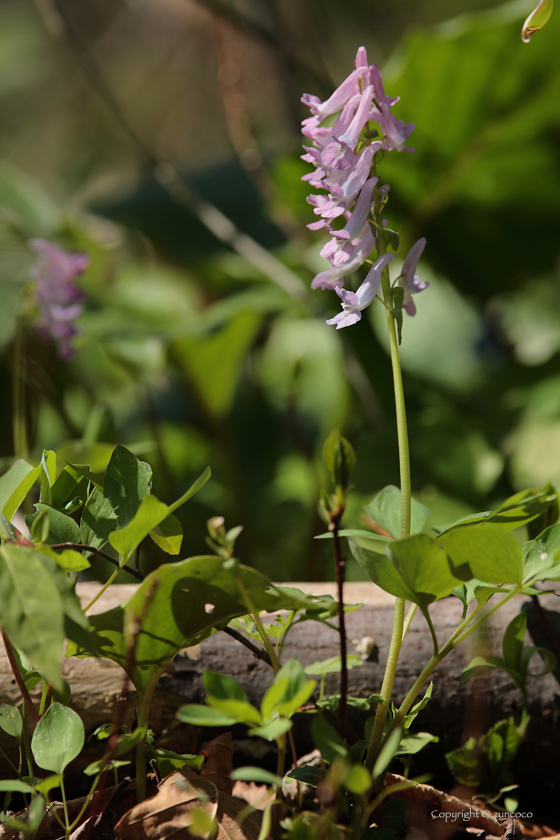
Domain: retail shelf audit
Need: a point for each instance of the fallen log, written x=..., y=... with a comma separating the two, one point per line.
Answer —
x=454, y=713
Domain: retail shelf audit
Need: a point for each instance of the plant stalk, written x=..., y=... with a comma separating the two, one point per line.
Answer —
x=404, y=467
x=340, y=564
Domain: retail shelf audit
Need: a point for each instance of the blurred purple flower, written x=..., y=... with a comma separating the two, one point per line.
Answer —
x=354, y=302
x=56, y=295
x=409, y=280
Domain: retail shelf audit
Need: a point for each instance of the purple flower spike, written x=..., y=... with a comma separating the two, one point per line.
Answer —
x=57, y=297
x=409, y=280
x=354, y=302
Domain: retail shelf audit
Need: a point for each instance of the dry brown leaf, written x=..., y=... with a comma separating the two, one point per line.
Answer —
x=219, y=762
x=168, y=814
x=427, y=800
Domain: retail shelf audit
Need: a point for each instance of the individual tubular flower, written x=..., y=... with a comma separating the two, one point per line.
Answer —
x=409, y=280
x=354, y=302
x=57, y=296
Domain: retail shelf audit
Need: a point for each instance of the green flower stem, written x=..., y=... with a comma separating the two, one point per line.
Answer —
x=404, y=464
x=104, y=587
x=143, y=720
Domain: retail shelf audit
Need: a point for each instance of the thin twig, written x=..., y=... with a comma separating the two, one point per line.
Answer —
x=258, y=653
x=340, y=564
x=19, y=679
x=82, y=547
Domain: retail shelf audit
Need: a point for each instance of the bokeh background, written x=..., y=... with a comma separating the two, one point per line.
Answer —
x=140, y=131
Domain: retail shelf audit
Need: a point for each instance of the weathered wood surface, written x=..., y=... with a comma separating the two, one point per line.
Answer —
x=453, y=713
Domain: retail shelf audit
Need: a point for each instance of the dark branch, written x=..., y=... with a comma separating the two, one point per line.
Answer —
x=258, y=653
x=99, y=553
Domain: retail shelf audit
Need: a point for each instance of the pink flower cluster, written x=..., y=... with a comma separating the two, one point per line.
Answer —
x=343, y=155
x=57, y=296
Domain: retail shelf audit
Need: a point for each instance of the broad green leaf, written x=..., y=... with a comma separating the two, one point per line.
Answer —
x=151, y=512
x=288, y=708
x=272, y=730
x=70, y=560
x=272, y=697
x=424, y=568
x=15, y=485
x=327, y=740
x=204, y=716
x=541, y=557
x=178, y=605
x=488, y=551
x=476, y=589
x=213, y=362
x=333, y=665
x=513, y=641
x=222, y=686
x=241, y=710
x=537, y=19
x=412, y=743
x=358, y=780
x=15, y=786
x=97, y=479
x=31, y=608
x=410, y=717
x=10, y=720
x=127, y=482
x=308, y=774
x=385, y=510
x=62, y=528
x=256, y=774
x=69, y=485
x=168, y=535
x=381, y=571
x=518, y=510
x=58, y=738
x=98, y=520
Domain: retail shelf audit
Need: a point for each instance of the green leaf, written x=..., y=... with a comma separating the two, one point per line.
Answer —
x=327, y=740
x=272, y=730
x=222, y=352
x=513, y=641
x=412, y=743
x=381, y=571
x=333, y=665
x=385, y=510
x=168, y=535
x=127, y=482
x=76, y=626
x=39, y=526
x=481, y=665
x=204, y=716
x=62, y=528
x=518, y=510
x=423, y=567
x=256, y=774
x=15, y=786
x=241, y=710
x=48, y=476
x=45, y=785
x=194, y=488
x=31, y=608
x=222, y=686
x=70, y=560
x=354, y=532
x=7, y=530
x=387, y=752
x=58, y=738
x=15, y=485
x=178, y=605
x=149, y=514
x=409, y=718
x=98, y=520
x=541, y=557
x=69, y=485
x=339, y=459
x=537, y=19
x=10, y=720
x=357, y=780
x=309, y=775
x=491, y=553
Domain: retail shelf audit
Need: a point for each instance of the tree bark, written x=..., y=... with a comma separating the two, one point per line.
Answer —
x=454, y=713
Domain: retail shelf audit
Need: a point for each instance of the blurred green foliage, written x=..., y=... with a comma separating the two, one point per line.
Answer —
x=189, y=354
